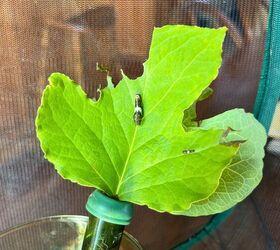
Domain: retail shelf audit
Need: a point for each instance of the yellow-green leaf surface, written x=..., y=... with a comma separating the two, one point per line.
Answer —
x=97, y=144
x=245, y=171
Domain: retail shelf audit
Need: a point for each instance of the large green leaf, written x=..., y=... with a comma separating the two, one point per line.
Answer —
x=158, y=164
x=245, y=171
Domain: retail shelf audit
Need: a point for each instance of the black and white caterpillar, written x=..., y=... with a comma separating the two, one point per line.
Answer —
x=138, y=110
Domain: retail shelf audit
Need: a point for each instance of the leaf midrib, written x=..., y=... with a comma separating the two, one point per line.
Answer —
x=127, y=160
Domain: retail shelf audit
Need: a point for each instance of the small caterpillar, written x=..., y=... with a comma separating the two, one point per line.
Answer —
x=138, y=110
x=188, y=151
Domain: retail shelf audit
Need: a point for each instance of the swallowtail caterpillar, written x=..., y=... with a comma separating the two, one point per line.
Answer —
x=138, y=110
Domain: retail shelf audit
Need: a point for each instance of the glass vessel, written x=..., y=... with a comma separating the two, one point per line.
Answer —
x=64, y=232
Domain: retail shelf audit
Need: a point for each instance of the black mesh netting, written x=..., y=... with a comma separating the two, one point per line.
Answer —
x=42, y=36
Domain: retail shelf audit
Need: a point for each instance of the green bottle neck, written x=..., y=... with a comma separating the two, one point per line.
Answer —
x=102, y=235
x=107, y=220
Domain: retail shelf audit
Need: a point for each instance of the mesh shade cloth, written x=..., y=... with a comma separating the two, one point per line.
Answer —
x=42, y=36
